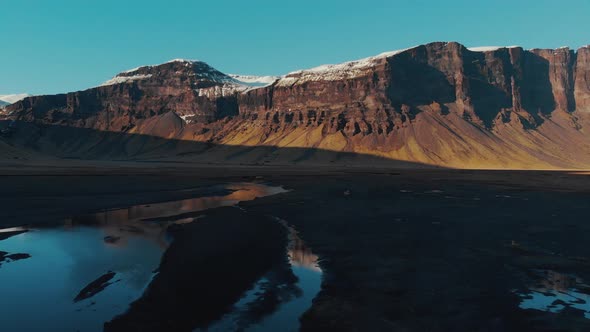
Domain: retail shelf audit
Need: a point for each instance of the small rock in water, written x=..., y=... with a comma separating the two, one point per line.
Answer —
x=95, y=287
x=16, y=257
x=4, y=256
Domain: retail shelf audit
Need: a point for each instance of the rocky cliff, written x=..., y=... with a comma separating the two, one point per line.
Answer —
x=440, y=104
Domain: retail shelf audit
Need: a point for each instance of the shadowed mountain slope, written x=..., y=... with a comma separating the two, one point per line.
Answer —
x=33, y=142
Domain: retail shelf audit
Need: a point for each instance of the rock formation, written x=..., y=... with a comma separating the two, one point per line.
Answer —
x=440, y=104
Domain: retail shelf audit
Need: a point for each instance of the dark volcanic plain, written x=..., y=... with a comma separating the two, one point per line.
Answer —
x=401, y=250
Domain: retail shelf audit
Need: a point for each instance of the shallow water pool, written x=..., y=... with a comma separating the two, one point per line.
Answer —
x=37, y=293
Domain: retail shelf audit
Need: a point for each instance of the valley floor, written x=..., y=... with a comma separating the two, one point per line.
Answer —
x=401, y=250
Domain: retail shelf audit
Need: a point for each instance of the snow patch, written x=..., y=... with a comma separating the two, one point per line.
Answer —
x=489, y=48
x=125, y=79
x=11, y=99
x=334, y=72
x=188, y=62
x=214, y=75
x=227, y=89
x=186, y=119
x=254, y=81
x=183, y=60
x=132, y=70
x=234, y=84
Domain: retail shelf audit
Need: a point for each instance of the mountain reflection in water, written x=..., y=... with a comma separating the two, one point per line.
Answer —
x=280, y=297
x=38, y=292
x=302, y=256
x=138, y=221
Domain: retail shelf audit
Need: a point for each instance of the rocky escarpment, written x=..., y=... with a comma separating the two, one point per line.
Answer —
x=192, y=89
x=483, y=86
x=439, y=103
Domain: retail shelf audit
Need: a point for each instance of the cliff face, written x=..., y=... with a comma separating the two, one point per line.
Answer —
x=582, y=80
x=439, y=103
x=191, y=89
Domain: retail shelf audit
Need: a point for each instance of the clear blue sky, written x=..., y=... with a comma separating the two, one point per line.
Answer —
x=67, y=45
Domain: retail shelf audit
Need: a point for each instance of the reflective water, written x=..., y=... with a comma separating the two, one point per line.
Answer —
x=553, y=291
x=289, y=297
x=37, y=293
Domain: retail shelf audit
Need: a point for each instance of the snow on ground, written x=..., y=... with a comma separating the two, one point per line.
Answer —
x=11, y=99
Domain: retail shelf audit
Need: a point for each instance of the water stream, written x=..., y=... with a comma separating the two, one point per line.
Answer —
x=38, y=291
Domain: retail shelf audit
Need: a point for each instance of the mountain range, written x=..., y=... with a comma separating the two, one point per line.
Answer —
x=439, y=104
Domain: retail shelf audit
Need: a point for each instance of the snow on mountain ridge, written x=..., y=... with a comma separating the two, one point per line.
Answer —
x=11, y=99
x=125, y=79
x=205, y=71
x=328, y=72
x=128, y=71
x=228, y=84
x=489, y=48
x=253, y=80
x=184, y=60
x=334, y=72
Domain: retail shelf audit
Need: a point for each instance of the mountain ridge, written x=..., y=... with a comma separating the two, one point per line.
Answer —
x=440, y=104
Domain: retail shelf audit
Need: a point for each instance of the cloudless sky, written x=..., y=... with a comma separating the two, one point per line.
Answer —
x=66, y=45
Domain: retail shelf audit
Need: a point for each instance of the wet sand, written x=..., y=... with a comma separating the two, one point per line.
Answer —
x=437, y=253
x=402, y=250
